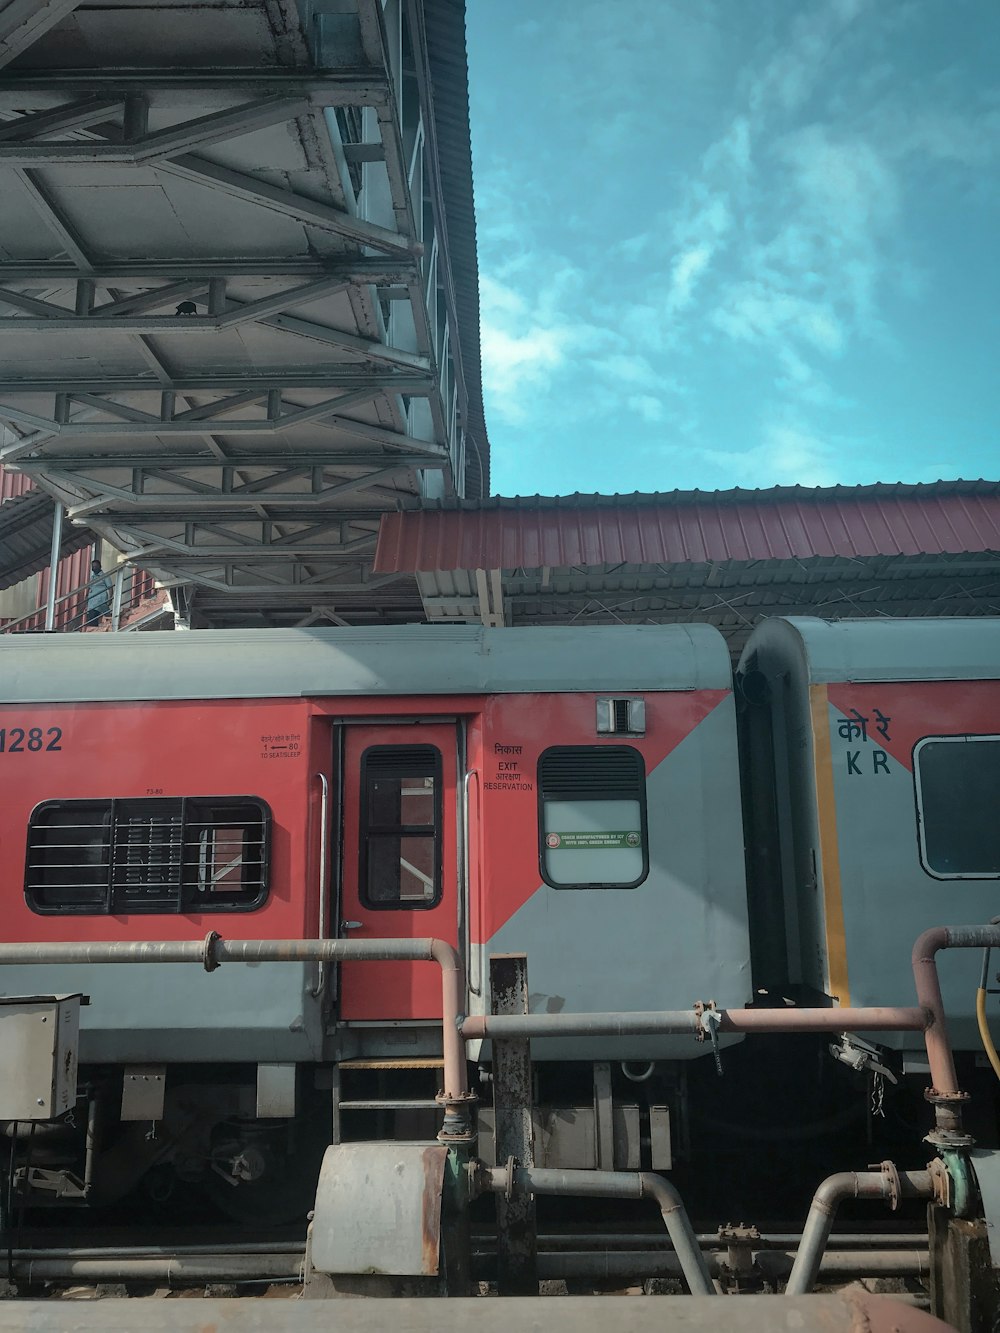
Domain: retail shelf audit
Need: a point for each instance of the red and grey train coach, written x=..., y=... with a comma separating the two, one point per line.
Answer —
x=570, y=795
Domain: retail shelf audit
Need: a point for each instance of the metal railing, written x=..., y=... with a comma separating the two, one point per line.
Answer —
x=76, y=609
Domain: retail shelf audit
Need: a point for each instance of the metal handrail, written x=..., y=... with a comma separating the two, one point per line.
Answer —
x=78, y=618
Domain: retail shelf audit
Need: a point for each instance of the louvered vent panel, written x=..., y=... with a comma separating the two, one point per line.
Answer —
x=598, y=771
x=149, y=859
x=409, y=760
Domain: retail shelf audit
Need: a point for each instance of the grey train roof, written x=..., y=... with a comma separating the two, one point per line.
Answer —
x=935, y=648
x=408, y=659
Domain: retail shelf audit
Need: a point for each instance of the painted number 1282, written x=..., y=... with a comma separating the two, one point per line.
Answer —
x=17, y=740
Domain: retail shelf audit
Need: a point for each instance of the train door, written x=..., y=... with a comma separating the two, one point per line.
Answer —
x=401, y=863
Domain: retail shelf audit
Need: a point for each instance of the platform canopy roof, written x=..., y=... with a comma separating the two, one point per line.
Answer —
x=728, y=558
x=238, y=291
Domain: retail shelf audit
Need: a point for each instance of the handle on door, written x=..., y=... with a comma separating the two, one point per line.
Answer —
x=351, y=925
x=324, y=857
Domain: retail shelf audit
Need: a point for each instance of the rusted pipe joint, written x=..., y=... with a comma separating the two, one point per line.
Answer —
x=456, y=1125
x=209, y=960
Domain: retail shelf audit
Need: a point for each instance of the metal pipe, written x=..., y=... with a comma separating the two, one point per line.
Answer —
x=823, y=1210
x=781, y=1242
x=928, y=984
x=944, y=1091
x=774, y=1264
x=324, y=848
x=615, y=1185
x=475, y=973
x=91, y=1147
x=54, y=552
x=673, y=1021
x=213, y=950
x=164, y=1252
x=116, y=598
x=183, y=1266
x=191, y=1268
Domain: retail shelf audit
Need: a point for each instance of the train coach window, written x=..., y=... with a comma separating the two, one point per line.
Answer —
x=182, y=854
x=401, y=826
x=592, y=817
x=958, y=783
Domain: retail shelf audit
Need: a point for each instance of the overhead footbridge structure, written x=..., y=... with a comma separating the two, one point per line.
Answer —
x=238, y=291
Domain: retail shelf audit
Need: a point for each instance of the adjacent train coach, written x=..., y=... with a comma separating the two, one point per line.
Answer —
x=871, y=774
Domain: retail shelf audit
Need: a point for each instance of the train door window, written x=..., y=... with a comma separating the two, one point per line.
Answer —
x=181, y=854
x=958, y=780
x=592, y=817
x=400, y=827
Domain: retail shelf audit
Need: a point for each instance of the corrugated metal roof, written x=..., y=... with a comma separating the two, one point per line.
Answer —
x=692, y=527
x=26, y=536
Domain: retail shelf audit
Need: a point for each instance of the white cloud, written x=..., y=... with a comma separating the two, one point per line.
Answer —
x=521, y=347
x=687, y=269
x=753, y=312
x=789, y=454
x=649, y=409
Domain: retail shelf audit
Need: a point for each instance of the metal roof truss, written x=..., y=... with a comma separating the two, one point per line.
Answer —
x=227, y=342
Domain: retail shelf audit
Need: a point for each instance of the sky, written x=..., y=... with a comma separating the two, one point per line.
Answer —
x=737, y=242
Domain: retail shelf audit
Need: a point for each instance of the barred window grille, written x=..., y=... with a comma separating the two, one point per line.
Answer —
x=185, y=854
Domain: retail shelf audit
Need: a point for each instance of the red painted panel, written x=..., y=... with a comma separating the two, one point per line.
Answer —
x=171, y=749
x=13, y=484
x=505, y=747
x=914, y=709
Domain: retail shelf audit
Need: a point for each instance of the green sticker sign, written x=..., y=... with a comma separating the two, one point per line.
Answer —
x=608, y=841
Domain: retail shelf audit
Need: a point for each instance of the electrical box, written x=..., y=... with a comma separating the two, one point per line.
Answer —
x=39, y=1038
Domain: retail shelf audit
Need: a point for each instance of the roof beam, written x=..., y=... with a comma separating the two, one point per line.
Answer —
x=195, y=462
x=219, y=552
x=23, y=22
x=31, y=88
x=152, y=147
x=195, y=495
x=54, y=218
x=335, y=376
x=378, y=271
x=49, y=318
x=69, y=116
x=198, y=171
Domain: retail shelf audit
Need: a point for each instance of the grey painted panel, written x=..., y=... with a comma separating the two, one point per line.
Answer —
x=410, y=659
x=680, y=937
x=889, y=899
x=939, y=648
x=175, y=1011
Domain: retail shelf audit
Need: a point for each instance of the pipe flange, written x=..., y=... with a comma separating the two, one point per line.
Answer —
x=208, y=958
x=940, y=1182
x=890, y=1175
x=949, y=1140
x=509, y=1184
x=699, y=1010
x=945, y=1098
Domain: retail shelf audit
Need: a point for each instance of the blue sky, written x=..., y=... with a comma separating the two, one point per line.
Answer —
x=737, y=242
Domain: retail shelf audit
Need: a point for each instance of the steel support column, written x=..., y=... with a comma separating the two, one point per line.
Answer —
x=517, y=1243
